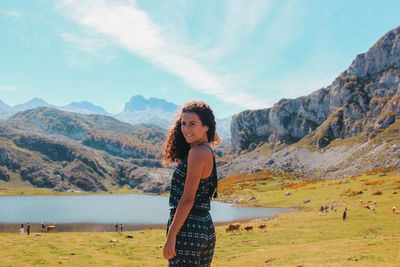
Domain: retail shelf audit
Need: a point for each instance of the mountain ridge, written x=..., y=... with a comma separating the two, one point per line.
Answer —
x=361, y=92
x=350, y=126
x=46, y=147
x=138, y=110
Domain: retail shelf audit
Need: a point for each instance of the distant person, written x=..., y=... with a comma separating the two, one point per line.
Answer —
x=28, y=228
x=43, y=227
x=116, y=227
x=373, y=207
x=190, y=230
x=344, y=214
x=122, y=227
x=394, y=209
x=21, y=229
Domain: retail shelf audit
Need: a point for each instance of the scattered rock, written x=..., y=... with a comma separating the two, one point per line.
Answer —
x=38, y=234
x=288, y=193
x=306, y=201
x=255, y=170
x=129, y=236
x=113, y=240
x=252, y=198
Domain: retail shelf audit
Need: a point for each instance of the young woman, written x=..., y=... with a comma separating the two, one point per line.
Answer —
x=190, y=229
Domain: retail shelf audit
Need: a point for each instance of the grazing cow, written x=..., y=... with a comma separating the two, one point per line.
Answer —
x=233, y=226
x=51, y=228
x=262, y=226
x=248, y=228
x=361, y=201
x=365, y=206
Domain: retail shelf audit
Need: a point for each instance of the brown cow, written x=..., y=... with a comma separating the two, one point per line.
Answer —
x=262, y=226
x=248, y=228
x=233, y=226
x=398, y=212
x=366, y=206
x=51, y=228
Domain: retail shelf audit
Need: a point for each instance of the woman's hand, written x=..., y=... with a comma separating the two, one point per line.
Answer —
x=169, y=248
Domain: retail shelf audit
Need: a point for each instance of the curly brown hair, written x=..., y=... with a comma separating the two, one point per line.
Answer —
x=175, y=147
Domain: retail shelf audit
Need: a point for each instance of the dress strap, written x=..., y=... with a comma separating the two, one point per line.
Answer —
x=214, y=172
x=207, y=145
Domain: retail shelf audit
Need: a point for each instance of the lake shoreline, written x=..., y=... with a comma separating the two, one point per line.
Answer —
x=106, y=227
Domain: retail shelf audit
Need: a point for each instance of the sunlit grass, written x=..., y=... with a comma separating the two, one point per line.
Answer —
x=34, y=191
x=308, y=237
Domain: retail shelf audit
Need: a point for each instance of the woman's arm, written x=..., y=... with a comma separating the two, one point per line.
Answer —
x=197, y=160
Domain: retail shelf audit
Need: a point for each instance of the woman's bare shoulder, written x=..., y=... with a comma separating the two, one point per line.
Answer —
x=200, y=153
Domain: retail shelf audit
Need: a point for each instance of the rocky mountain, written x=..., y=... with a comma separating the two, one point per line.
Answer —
x=138, y=102
x=3, y=106
x=30, y=157
x=4, y=109
x=47, y=147
x=138, y=110
x=34, y=103
x=84, y=107
x=154, y=110
x=97, y=131
x=362, y=102
x=223, y=129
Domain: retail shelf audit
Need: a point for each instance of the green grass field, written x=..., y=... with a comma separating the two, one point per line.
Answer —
x=308, y=237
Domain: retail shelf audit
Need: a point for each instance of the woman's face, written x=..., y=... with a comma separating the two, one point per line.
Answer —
x=193, y=129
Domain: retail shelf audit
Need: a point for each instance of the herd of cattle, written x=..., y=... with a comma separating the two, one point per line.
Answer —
x=237, y=227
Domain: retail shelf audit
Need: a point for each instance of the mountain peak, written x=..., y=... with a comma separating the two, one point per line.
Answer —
x=33, y=103
x=138, y=102
x=383, y=55
x=363, y=98
x=85, y=107
x=3, y=105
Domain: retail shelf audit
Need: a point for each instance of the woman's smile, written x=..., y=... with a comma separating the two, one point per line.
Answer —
x=193, y=129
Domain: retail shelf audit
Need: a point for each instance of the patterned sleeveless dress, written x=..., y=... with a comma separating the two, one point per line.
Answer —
x=195, y=241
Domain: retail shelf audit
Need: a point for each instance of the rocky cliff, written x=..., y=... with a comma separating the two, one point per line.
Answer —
x=351, y=126
x=364, y=98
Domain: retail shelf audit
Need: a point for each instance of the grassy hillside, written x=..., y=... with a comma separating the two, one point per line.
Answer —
x=307, y=238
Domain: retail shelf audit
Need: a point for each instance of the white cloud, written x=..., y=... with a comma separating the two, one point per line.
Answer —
x=8, y=88
x=12, y=13
x=201, y=64
x=87, y=44
x=132, y=29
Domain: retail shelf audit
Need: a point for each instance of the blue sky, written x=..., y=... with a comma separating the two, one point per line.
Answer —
x=234, y=55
